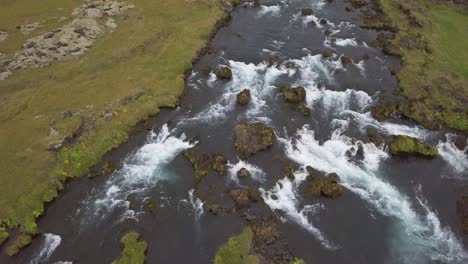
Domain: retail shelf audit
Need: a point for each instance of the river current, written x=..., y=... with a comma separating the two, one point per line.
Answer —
x=393, y=210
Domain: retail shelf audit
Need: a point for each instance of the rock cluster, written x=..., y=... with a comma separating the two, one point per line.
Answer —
x=296, y=96
x=251, y=138
x=71, y=40
x=327, y=186
x=203, y=163
x=242, y=198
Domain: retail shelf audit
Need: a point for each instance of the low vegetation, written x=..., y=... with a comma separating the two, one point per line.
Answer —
x=133, y=250
x=58, y=121
x=237, y=250
x=408, y=146
x=431, y=37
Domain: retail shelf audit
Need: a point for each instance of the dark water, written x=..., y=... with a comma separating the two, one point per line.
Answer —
x=394, y=211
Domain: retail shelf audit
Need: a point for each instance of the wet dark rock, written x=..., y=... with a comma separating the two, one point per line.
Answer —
x=108, y=167
x=374, y=136
x=327, y=54
x=346, y=60
x=403, y=146
x=150, y=204
x=251, y=138
x=312, y=23
x=462, y=209
x=294, y=95
x=303, y=109
x=289, y=171
x=461, y=142
x=242, y=198
x=348, y=8
x=224, y=73
x=366, y=56
x=214, y=209
x=204, y=163
x=358, y=3
x=326, y=186
x=382, y=112
x=307, y=12
x=243, y=98
x=323, y=21
x=328, y=32
x=360, y=152
x=243, y=173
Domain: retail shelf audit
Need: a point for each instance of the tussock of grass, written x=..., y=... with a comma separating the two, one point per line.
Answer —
x=134, y=71
x=133, y=250
x=237, y=250
x=434, y=72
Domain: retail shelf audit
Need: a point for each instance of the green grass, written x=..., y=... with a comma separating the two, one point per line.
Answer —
x=133, y=250
x=135, y=70
x=434, y=74
x=237, y=250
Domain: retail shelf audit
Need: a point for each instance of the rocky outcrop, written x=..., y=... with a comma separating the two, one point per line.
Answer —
x=71, y=40
x=224, y=73
x=251, y=138
x=243, y=173
x=326, y=186
x=242, y=198
x=204, y=163
x=243, y=98
x=294, y=95
x=403, y=146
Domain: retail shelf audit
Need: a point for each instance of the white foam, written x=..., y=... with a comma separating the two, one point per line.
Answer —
x=256, y=173
x=283, y=197
x=349, y=42
x=269, y=10
x=456, y=158
x=51, y=242
x=197, y=204
x=142, y=170
x=365, y=180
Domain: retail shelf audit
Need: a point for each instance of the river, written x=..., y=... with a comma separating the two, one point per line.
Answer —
x=393, y=210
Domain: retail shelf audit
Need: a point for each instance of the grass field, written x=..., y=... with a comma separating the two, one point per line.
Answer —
x=434, y=72
x=130, y=72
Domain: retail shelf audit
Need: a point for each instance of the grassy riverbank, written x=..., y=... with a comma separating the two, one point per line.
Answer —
x=92, y=100
x=432, y=40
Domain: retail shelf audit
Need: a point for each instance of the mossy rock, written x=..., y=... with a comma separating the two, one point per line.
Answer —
x=243, y=98
x=243, y=173
x=224, y=73
x=244, y=197
x=203, y=163
x=383, y=112
x=326, y=186
x=307, y=12
x=133, y=251
x=327, y=54
x=303, y=109
x=409, y=146
x=358, y=3
x=374, y=136
x=289, y=170
x=21, y=241
x=297, y=261
x=150, y=204
x=346, y=60
x=294, y=95
x=214, y=209
x=3, y=235
x=251, y=138
x=237, y=250
x=266, y=232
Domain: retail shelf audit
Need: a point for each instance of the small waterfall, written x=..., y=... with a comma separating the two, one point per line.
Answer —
x=51, y=242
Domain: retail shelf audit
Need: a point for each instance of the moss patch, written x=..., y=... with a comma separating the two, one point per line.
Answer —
x=405, y=145
x=204, y=163
x=20, y=242
x=237, y=250
x=432, y=41
x=133, y=250
x=108, y=90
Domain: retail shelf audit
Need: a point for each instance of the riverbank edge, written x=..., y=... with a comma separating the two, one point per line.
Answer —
x=13, y=234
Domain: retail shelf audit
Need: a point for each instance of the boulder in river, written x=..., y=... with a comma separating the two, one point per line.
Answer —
x=326, y=186
x=383, y=111
x=294, y=95
x=374, y=136
x=251, y=138
x=346, y=60
x=203, y=163
x=224, y=73
x=409, y=146
x=243, y=98
x=243, y=197
x=307, y=12
x=327, y=54
x=243, y=173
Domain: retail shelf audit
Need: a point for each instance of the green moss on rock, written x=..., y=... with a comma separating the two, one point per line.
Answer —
x=203, y=163
x=133, y=251
x=408, y=146
x=294, y=95
x=3, y=235
x=374, y=136
x=326, y=186
x=237, y=250
x=327, y=54
x=20, y=242
x=224, y=73
x=251, y=138
x=243, y=98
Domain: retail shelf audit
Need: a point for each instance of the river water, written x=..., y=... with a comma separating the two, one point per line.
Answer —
x=393, y=211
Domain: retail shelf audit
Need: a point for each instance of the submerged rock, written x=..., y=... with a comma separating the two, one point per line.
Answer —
x=327, y=54
x=242, y=198
x=307, y=12
x=294, y=95
x=224, y=73
x=251, y=138
x=150, y=204
x=409, y=146
x=303, y=109
x=327, y=186
x=243, y=98
x=346, y=60
x=358, y=3
x=374, y=136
